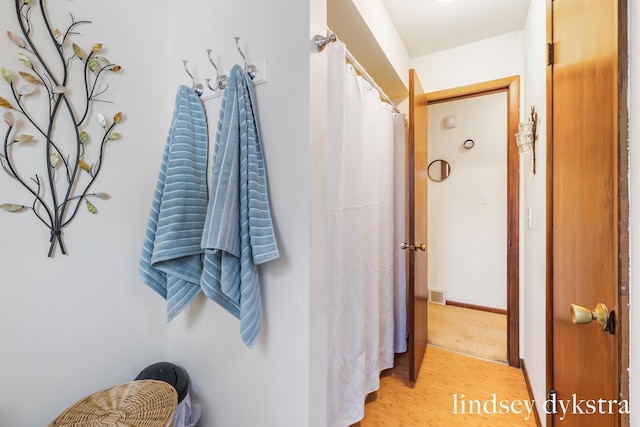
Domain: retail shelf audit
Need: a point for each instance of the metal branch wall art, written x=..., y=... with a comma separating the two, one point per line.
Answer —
x=58, y=126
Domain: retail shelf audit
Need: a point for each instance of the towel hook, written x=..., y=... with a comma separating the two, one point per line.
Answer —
x=197, y=87
x=221, y=80
x=249, y=69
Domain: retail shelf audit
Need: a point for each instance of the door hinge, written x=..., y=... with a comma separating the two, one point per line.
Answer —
x=551, y=402
x=550, y=53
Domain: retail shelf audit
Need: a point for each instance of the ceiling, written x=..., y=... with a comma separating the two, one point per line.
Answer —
x=427, y=26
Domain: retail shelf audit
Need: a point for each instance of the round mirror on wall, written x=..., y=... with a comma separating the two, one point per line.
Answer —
x=439, y=170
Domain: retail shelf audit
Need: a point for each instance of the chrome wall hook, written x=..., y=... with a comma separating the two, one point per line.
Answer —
x=221, y=80
x=249, y=69
x=197, y=87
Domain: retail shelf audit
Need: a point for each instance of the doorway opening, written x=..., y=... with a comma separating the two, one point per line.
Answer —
x=510, y=87
x=467, y=226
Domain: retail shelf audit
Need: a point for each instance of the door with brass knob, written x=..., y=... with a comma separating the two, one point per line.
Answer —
x=417, y=288
x=586, y=203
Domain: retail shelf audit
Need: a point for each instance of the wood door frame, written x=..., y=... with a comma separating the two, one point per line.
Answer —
x=623, y=206
x=510, y=85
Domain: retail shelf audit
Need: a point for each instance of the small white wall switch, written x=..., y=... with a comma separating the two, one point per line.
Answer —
x=484, y=198
x=529, y=219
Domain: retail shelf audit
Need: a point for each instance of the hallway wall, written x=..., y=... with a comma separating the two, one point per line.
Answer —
x=485, y=60
x=533, y=274
x=240, y=386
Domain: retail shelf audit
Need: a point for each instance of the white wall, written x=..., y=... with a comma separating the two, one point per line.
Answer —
x=319, y=292
x=71, y=325
x=489, y=59
x=377, y=18
x=467, y=237
x=634, y=197
x=533, y=285
x=269, y=384
x=82, y=322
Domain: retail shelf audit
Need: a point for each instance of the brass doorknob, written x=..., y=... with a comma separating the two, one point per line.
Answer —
x=414, y=247
x=580, y=314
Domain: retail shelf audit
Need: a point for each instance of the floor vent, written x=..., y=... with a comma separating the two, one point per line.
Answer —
x=437, y=296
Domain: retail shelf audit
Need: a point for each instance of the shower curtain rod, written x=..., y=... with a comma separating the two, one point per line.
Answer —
x=369, y=79
x=321, y=42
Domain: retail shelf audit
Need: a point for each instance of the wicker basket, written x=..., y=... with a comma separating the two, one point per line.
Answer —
x=143, y=403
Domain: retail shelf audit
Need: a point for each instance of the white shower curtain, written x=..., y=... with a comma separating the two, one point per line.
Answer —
x=361, y=239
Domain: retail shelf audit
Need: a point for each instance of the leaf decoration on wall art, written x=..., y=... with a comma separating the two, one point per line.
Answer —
x=25, y=60
x=54, y=158
x=9, y=118
x=55, y=185
x=4, y=103
x=6, y=75
x=91, y=208
x=93, y=63
x=17, y=39
x=26, y=90
x=84, y=137
x=23, y=138
x=10, y=207
x=78, y=51
x=58, y=36
x=83, y=165
x=30, y=78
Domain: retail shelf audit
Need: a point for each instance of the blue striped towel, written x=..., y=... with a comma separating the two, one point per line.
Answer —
x=171, y=258
x=238, y=233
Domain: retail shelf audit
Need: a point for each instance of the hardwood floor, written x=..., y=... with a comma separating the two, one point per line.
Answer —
x=451, y=390
x=469, y=331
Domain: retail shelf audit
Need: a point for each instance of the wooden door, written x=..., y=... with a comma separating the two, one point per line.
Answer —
x=417, y=226
x=584, y=208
